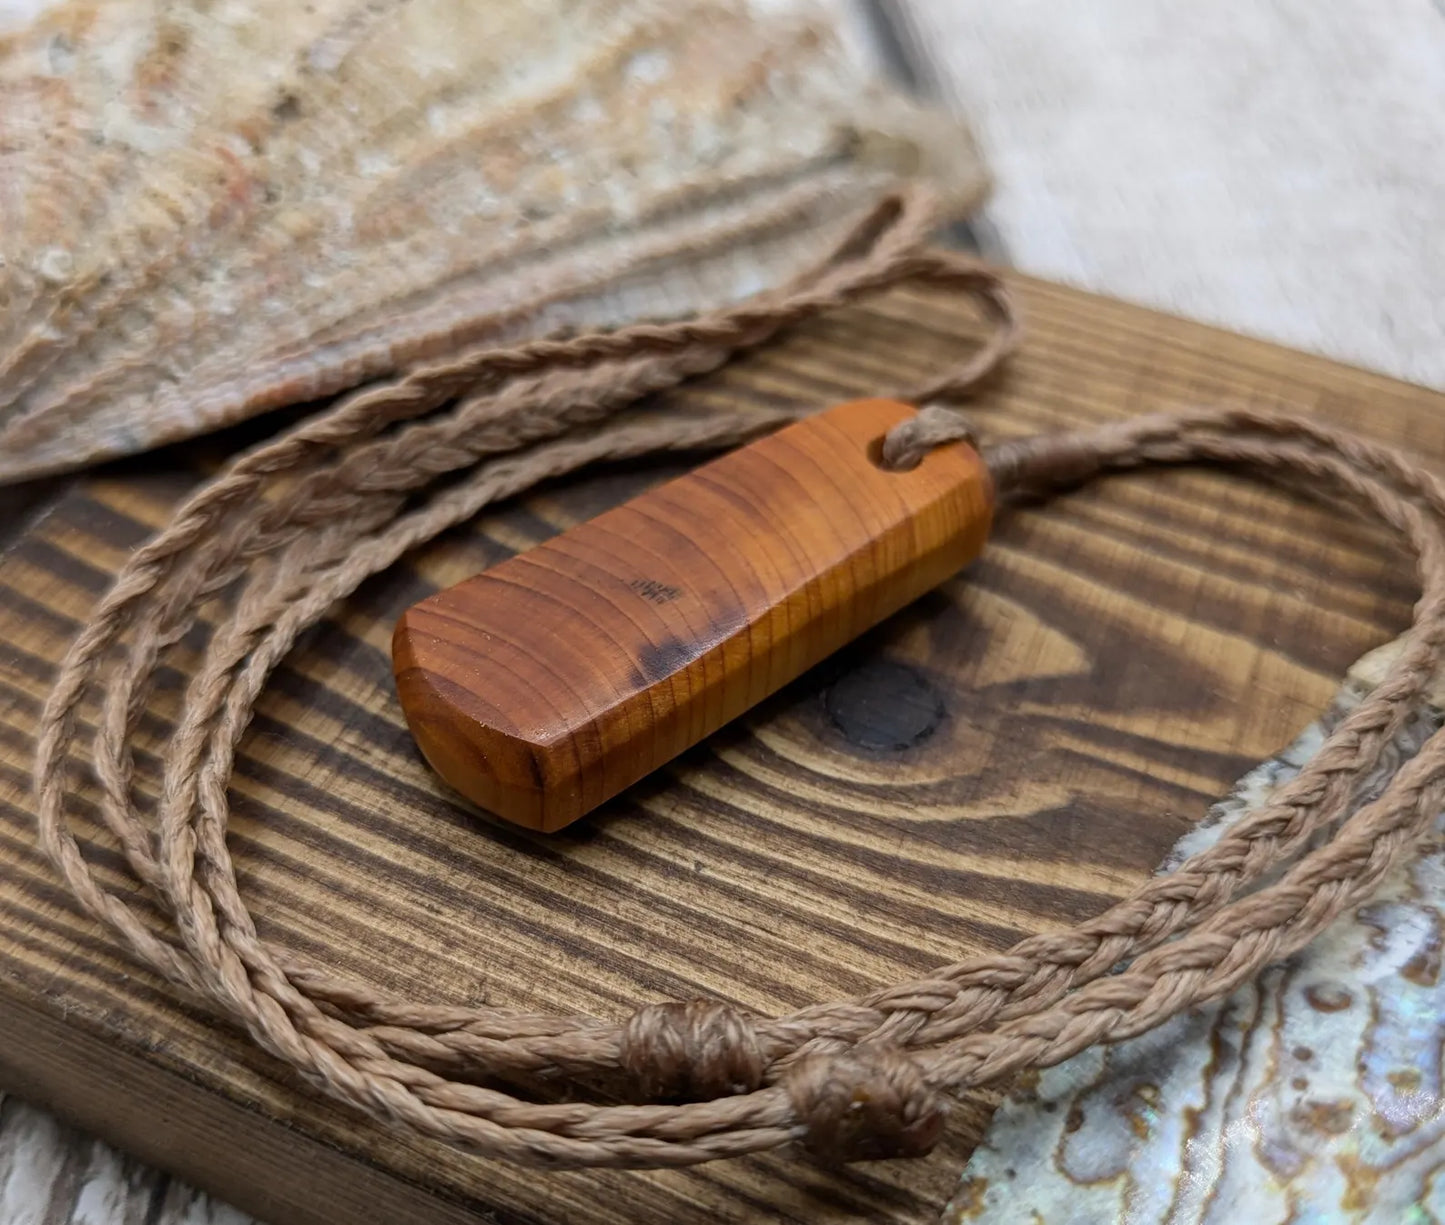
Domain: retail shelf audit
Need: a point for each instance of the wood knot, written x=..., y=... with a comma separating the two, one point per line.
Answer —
x=905, y=445
x=695, y=1050
x=866, y=1104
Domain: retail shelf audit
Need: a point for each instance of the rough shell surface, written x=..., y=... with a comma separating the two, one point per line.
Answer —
x=212, y=209
x=1313, y=1094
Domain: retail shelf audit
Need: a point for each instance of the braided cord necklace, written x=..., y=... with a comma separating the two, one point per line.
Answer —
x=297, y=524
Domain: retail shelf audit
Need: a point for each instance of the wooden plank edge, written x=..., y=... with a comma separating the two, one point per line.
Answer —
x=169, y=1121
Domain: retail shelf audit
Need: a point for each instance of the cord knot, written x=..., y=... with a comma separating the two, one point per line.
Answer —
x=865, y=1104
x=695, y=1050
x=905, y=445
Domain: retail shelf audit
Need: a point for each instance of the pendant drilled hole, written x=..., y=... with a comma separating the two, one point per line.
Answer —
x=875, y=456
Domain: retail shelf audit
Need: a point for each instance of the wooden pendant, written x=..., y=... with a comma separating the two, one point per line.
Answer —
x=547, y=684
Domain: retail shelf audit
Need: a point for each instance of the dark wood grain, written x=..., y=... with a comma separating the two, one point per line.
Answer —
x=1007, y=755
x=546, y=685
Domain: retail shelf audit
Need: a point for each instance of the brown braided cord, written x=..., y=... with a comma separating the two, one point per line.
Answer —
x=299, y=523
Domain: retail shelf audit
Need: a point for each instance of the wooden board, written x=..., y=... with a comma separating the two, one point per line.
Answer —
x=1007, y=755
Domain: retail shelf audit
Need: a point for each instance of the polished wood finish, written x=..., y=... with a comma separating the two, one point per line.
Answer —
x=546, y=685
x=1006, y=755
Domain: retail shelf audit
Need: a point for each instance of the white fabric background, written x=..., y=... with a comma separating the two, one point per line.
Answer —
x=1273, y=166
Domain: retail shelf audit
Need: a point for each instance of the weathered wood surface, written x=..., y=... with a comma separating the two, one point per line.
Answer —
x=550, y=682
x=1007, y=755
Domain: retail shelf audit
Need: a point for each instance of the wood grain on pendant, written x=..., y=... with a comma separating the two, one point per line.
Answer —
x=549, y=683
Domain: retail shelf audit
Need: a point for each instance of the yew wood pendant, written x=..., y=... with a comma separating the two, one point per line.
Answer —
x=552, y=681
